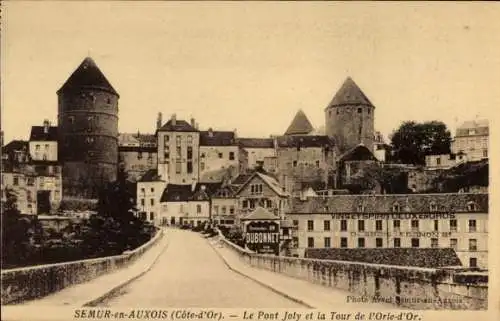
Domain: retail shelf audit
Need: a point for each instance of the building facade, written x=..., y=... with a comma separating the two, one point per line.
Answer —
x=137, y=154
x=218, y=151
x=150, y=187
x=472, y=139
x=43, y=142
x=256, y=150
x=457, y=221
x=88, y=131
x=185, y=205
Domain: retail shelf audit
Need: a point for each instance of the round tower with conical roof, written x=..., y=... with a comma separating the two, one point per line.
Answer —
x=88, y=131
x=350, y=118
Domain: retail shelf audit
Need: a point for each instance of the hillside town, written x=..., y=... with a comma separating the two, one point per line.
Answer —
x=338, y=191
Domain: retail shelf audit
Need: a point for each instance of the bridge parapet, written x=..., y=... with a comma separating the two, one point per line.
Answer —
x=407, y=287
x=34, y=282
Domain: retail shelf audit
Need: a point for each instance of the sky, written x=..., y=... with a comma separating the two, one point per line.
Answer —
x=251, y=66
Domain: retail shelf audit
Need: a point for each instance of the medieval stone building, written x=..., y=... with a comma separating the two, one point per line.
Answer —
x=88, y=131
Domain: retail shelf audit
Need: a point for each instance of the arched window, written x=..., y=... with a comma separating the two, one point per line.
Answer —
x=433, y=206
x=361, y=208
x=472, y=207
x=396, y=207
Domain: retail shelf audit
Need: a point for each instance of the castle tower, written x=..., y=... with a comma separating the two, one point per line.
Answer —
x=88, y=131
x=350, y=118
x=300, y=125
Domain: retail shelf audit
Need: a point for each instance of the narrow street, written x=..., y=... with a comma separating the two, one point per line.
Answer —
x=191, y=274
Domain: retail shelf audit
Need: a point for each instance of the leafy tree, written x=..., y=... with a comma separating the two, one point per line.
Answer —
x=389, y=180
x=412, y=141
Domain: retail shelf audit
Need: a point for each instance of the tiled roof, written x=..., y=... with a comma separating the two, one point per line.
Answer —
x=260, y=214
x=38, y=133
x=87, y=75
x=184, y=193
x=383, y=203
x=304, y=141
x=217, y=138
x=15, y=145
x=150, y=176
x=255, y=142
x=358, y=153
x=144, y=149
x=415, y=257
x=241, y=179
x=300, y=125
x=349, y=94
x=270, y=181
x=180, y=126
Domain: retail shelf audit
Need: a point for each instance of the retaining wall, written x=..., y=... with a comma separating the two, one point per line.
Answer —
x=28, y=283
x=408, y=287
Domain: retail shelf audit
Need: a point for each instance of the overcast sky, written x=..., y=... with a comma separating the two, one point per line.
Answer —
x=251, y=66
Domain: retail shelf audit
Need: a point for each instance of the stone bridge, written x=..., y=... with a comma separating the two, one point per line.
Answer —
x=181, y=268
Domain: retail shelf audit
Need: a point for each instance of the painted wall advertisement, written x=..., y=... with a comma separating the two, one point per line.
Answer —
x=263, y=237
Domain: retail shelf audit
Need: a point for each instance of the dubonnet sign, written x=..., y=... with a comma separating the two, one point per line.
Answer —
x=263, y=237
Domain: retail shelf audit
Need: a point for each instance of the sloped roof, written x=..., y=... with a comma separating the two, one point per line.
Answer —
x=350, y=94
x=15, y=145
x=87, y=75
x=217, y=138
x=38, y=133
x=300, y=125
x=474, y=124
x=304, y=141
x=383, y=203
x=260, y=214
x=184, y=193
x=358, y=153
x=255, y=142
x=180, y=126
x=270, y=181
x=415, y=257
x=150, y=176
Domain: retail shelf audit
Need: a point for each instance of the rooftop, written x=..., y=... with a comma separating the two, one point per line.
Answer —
x=217, y=138
x=300, y=125
x=349, y=94
x=42, y=133
x=177, y=126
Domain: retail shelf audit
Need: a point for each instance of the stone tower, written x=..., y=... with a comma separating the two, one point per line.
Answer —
x=88, y=131
x=350, y=118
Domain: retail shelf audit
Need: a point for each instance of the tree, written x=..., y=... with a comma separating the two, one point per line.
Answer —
x=390, y=180
x=412, y=141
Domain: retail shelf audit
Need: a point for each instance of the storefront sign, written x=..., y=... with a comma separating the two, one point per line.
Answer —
x=263, y=237
x=394, y=216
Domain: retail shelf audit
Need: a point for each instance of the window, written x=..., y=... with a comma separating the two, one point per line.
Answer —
x=472, y=245
x=471, y=207
x=473, y=262
x=37, y=147
x=361, y=242
x=361, y=208
x=379, y=242
x=178, y=140
x=190, y=152
x=343, y=242
x=397, y=242
x=223, y=210
x=143, y=202
x=198, y=208
x=16, y=181
x=269, y=203
x=30, y=181
x=378, y=225
x=438, y=161
x=256, y=189
x=310, y=242
x=485, y=153
x=216, y=209
x=396, y=224
x=433, y=207
x=361, y=225
x=152, y=202
x=189, y=167
x=245, y=204
x=295, y=222
x=453, y=225
x=178, y=167
x=327, y=242
x=231, y=209
x=359, y=110
x=202, y=166
x=190, y=140
x=396, y=207
x=453, y=244
x=343, y=225
x=151, y=216
x=221, y=155
x=326, y=225
x=152, y=190
x=434, y=243
x=414, y=225
x=472, y=225
x=46, y=146
x=294, y=163
x=231, y=155
x=310, y=225
x=317, y=163
x=415, y=242
x=436, y=225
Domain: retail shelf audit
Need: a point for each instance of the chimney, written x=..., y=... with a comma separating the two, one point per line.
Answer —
x=210, y=132
x=196, y=127
x=193, y=124
x=46, y=125
x=235, y=133
x=159, y=121
x=174, y=119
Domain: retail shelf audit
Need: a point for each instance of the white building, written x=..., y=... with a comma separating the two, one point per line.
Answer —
x=257, y=149
x=150, y=187
x=472, y=139
x=218, y=151
x=43, y=142
x=185, y=204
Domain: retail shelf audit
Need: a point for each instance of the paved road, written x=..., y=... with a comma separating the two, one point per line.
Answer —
x=191, y=274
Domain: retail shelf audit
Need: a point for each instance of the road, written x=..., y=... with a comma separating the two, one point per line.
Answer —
x=190, y=274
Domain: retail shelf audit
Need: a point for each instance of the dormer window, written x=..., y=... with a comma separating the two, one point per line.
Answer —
x=396, y=207
x=361, y=208
x=433, y=207
x=472, y=207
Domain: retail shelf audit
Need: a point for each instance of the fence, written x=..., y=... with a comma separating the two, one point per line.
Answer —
x=27, y=283
x=407, y=287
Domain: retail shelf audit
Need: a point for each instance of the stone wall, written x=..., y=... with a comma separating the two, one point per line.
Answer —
x=408, y=287
x=28, y=283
